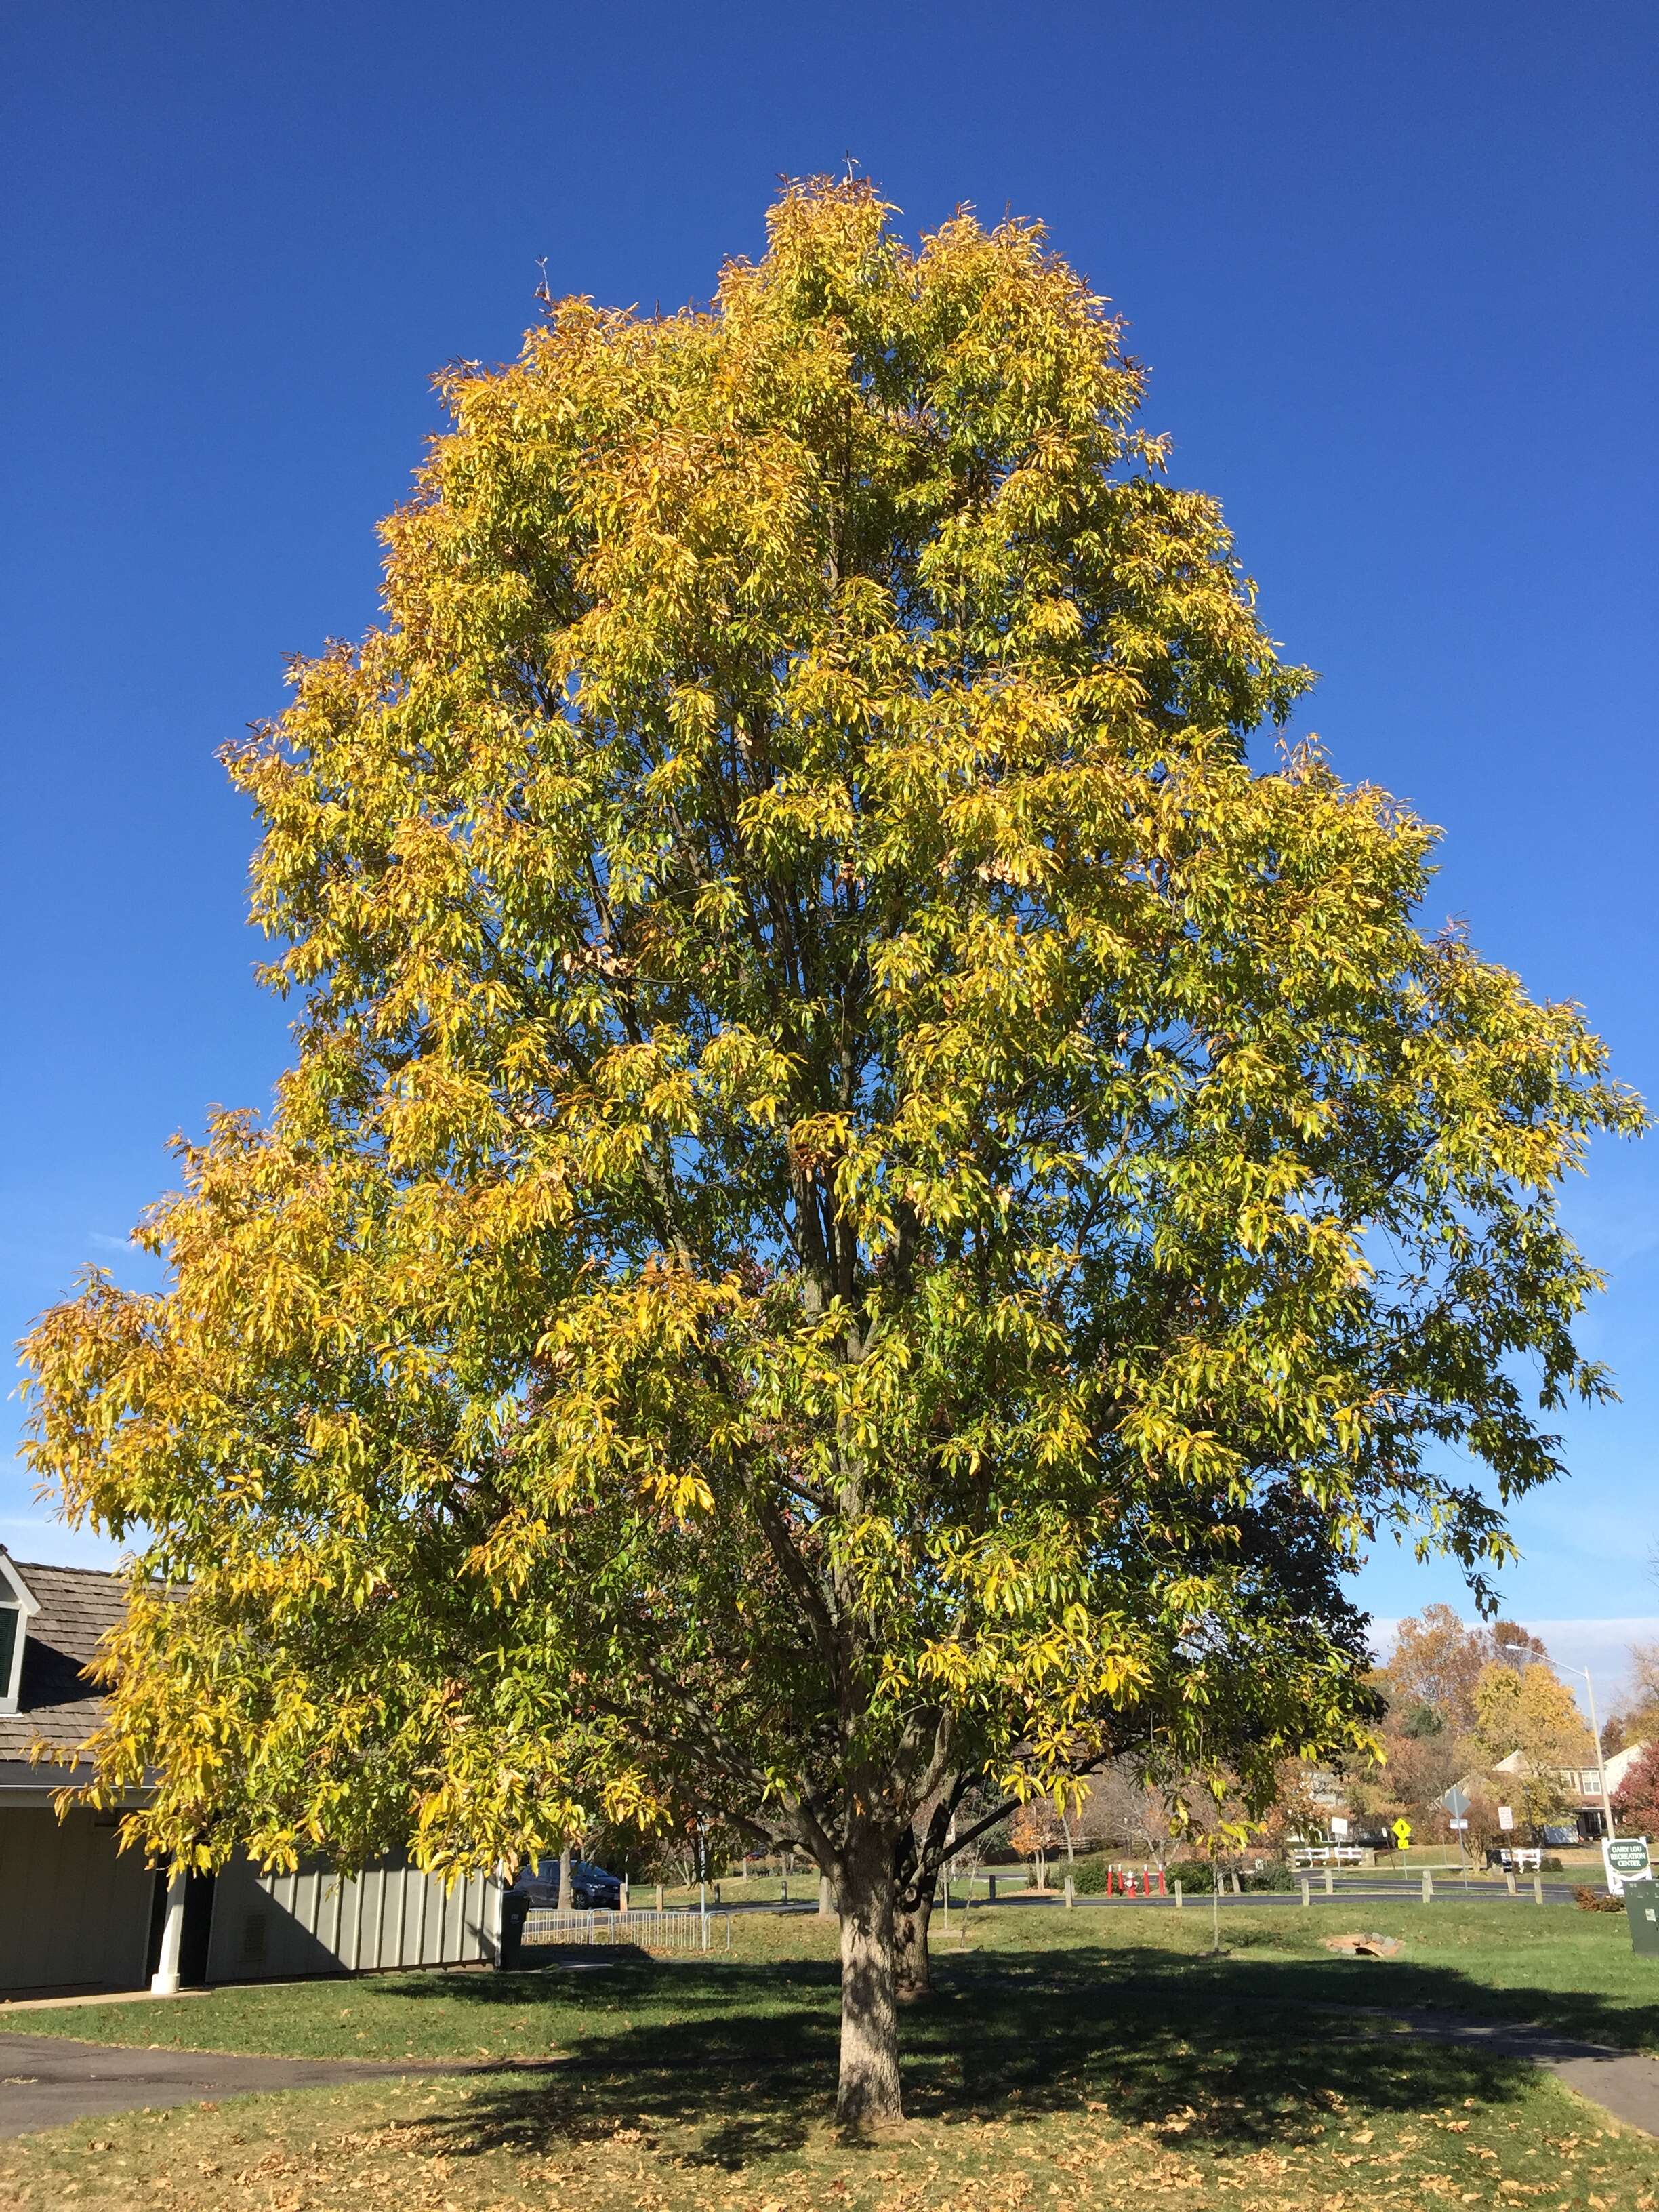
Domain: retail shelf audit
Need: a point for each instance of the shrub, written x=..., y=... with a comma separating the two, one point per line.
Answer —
x=1592, y=1900
x=1089, y=1876
x=1272, y=1874
x=1196, y=1876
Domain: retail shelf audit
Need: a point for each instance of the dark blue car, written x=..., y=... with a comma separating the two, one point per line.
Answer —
x=591, y=1889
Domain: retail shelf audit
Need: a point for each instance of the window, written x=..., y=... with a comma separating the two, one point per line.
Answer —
x=18, y=1607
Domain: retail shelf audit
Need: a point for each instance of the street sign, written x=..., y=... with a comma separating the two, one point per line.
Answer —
x=1459, y=1824
x=1505, y=1818
x=1456, y=1802
x=1625, y=1859
x=1401, y=1833
x=1338, y=1826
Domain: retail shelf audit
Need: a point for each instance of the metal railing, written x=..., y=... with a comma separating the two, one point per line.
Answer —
x=668, y=1931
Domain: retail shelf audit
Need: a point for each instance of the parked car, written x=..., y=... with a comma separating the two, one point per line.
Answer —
x=591, y=1889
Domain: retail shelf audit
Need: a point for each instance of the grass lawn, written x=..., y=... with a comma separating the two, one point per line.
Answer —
x=1095, y=2058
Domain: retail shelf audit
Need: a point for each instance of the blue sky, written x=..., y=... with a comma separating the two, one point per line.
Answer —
x=1392, y=270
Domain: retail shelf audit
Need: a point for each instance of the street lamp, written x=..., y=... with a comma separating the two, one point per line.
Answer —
x=1595, y=1730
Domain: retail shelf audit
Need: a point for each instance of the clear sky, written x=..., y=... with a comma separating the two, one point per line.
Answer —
x=1394, y=273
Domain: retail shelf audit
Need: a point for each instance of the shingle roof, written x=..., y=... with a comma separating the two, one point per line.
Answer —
x=56, y=1703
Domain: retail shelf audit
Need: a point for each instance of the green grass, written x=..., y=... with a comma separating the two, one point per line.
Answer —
x=1098, y=2057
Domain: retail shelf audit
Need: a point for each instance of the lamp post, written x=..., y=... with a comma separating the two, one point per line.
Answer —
x=1595, y=1732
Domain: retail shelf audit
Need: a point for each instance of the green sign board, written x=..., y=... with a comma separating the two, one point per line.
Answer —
x=1628, y=1855
x=1641, y=1903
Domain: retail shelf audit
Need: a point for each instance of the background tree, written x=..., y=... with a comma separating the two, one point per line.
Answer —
x=1530, y=1711
x=1036, y=1832
x=1636, y=1805
x=1429, y=1737
x=1636, y=1721
x=1433, y=1670
x=863, y=1205
x=1515, y=1646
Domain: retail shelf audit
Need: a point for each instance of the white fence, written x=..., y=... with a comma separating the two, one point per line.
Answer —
x=672, y=1930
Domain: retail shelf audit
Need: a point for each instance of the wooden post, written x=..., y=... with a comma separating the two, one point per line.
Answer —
x=659, y=1897
x=1068, y=1893
x=826, y=1900
x=1509, y=1879
x=1237, y=1892
x=1307, y=1893
x=1179, y=1900
x=1330, y=1883
x=1538, y=1889
x=1428, y=1887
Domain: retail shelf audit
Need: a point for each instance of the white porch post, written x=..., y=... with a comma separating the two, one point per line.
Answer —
x=495, y=1900
x=164, y=1982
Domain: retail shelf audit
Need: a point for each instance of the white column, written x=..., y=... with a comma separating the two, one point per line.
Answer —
x=164, y=1982
x=495, y=1896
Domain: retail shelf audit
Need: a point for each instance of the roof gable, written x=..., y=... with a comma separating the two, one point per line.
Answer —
x=73, y=1610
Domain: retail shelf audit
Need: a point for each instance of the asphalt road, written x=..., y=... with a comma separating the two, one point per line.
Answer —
x=46, y=2080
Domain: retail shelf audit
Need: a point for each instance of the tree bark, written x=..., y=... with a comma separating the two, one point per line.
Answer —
x=912, y=1971
x=868, y=2095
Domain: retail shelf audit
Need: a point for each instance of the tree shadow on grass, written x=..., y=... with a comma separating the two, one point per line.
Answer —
x=1233, y=2052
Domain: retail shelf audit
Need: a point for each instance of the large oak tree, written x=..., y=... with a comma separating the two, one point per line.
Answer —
x=865, y=1207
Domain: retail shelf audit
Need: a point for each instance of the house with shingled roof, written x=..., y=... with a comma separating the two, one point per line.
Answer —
x=79, y=1913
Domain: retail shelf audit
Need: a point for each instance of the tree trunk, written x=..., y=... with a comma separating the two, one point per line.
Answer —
x=565, y=1854
x=868, y=2094
x=912, y=1971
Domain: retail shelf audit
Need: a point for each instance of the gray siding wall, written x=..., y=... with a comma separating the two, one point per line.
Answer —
x=271, y=1927
x=73, y=1910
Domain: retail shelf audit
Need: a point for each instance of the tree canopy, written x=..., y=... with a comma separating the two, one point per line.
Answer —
x=864, y=1203
x=1636, y=1801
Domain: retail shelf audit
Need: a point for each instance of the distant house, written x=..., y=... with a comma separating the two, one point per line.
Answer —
x=1580, y=1785
x=77, y=1913
x=1619, y=1765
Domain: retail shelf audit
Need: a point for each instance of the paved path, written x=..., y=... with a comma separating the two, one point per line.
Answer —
x=46, y=2080
x=1622, y=2082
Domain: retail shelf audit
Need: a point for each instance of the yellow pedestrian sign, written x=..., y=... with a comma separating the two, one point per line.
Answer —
x=1402, y=1834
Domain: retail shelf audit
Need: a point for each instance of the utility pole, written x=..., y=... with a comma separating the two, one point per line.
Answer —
x=1601, y=1763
